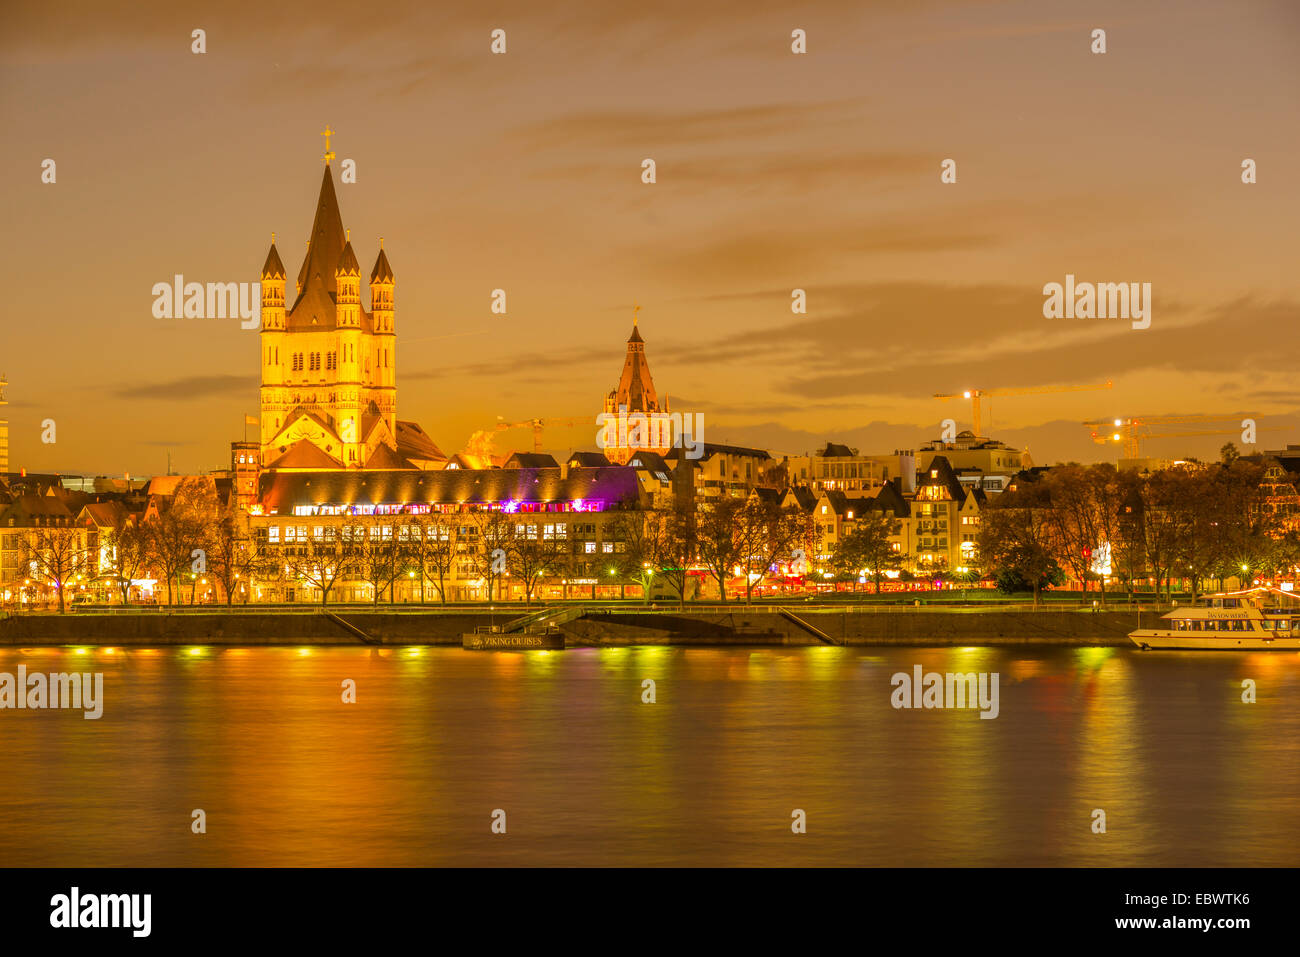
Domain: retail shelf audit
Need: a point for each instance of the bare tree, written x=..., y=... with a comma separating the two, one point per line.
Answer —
x=495, y=541
x=432, y=550
x=767, y=533
x=325, y=560
x=378, y=556
x=53, y=555
x=128, y=553
x=533, y=555
x=717, y=542
x=179, y=535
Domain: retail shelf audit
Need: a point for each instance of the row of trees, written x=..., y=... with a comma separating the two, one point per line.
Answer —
x=193, y=538
x=1194, y=525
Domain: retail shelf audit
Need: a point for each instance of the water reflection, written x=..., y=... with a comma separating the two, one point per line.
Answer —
x=589, y=773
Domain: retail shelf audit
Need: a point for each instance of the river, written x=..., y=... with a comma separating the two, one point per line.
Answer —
x=711, y=773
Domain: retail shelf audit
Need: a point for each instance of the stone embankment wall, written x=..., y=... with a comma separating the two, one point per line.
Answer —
x=765, y=626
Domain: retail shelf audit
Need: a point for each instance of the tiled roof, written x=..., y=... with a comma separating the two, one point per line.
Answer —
x=414, y=443
x=834, y=450
x=385, y=458
x=303, y=454
x=613, y=485
x=531, y=460
x=594, y=460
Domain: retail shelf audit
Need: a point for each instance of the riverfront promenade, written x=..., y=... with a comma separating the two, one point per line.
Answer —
x=596, y=624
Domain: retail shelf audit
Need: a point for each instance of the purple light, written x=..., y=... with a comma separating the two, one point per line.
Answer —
x=510, y=507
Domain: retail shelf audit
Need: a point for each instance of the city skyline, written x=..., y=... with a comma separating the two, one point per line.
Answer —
x=802, y=176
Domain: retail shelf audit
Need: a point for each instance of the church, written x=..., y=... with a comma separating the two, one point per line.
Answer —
x=329, y=364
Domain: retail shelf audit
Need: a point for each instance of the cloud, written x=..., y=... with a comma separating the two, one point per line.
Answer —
x=194, y=387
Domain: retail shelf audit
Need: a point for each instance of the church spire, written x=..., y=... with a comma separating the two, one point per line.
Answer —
x=324, y=248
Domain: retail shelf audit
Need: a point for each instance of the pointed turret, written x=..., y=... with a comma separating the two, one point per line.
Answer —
x=381, y=292
x=348, y=265
x=273, y=268
x=272, y=337
x=347, y=277
x=382, y=271
x=273, y=277
x=381, y=314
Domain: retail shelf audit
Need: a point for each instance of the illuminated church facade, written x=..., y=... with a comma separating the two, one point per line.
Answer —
x=328, y=363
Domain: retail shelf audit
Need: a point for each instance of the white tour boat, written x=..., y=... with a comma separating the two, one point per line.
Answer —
x=1259, y=619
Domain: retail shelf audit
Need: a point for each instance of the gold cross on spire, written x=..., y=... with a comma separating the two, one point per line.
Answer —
x=635, y=310
x=327, y=134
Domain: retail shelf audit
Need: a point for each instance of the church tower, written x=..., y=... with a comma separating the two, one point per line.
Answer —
x=634, y=394
x=329, y=386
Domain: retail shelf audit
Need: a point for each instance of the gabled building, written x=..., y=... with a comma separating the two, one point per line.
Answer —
x=725, y=469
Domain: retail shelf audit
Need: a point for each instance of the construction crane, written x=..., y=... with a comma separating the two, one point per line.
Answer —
x=975, y=395
x=1132, y=432
x=480, y=445
x=537, y=425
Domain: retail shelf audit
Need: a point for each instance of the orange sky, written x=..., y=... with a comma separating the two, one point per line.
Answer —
x=775, y=171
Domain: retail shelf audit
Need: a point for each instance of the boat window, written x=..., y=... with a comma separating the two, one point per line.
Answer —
x=1283, y=624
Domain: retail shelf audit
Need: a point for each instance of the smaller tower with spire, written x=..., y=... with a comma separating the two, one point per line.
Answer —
x=274, y=354
x=635, y=394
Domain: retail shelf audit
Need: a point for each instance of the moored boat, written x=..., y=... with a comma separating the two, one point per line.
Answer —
x=1257, y=619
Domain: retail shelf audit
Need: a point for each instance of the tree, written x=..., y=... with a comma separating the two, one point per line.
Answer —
x=179, y=529
x=765, y=533
x=867, y=548
x=378, y=558
x=231, y=555
x=432, y=552
x=53, y=555
x=323, y=561
x=533, y=555
x=667, y=543
x=129, y=552
x=1073, y=515
x=1015, y=544
x=494, y=540
x=716, y=542
x=642, y=541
